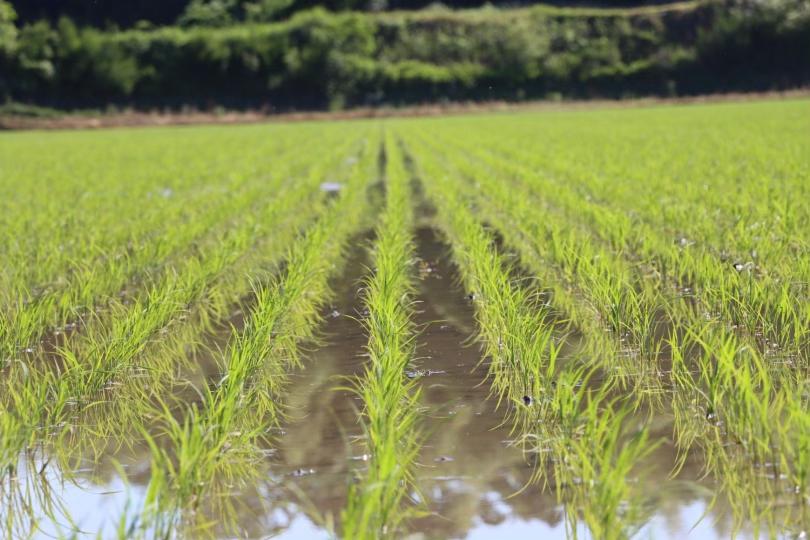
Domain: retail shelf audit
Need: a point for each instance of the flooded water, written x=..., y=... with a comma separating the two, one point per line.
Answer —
x=467, y=474
x=470, y=475
x=471, y=478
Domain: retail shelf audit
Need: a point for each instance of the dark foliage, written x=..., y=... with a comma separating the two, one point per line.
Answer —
x=319, y=59
x=123, y=13
x=127, y=13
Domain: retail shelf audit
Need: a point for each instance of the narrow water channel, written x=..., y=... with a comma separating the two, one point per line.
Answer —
x=467, y=472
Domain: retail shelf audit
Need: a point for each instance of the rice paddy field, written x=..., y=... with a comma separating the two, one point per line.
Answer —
x=558, y=324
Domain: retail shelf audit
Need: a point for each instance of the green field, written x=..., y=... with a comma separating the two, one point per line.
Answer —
x=558, y=324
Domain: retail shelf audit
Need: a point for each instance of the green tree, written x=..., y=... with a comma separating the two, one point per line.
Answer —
x=36, y=45
x=8, y=45
x=8, y=32
x=266, y=10
x=209, y=13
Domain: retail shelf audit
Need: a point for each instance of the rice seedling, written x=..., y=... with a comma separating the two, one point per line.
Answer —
x=70, y=286
x=390, y=399
x=549, y=412
x=105, y=353
x=212, y=440
x=633, y=283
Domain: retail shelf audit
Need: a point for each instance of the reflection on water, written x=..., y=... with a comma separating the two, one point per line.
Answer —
x=471, y=479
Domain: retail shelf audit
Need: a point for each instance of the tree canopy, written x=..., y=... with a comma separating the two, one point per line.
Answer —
x=129, y=13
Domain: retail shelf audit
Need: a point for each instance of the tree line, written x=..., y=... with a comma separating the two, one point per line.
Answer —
x=322, y=59
x=144, y=13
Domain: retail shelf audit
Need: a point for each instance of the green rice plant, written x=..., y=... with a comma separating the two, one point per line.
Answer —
x=732, y=408
x=734, y=289
x=634, y=235
x=506, y=309
x=56, y=402
x=102, y=267
x=600, y=461
x=520, y=339
x=390, y=399
x=106, y=352
x=632, y=273
x=594, y=291
x=213, y=441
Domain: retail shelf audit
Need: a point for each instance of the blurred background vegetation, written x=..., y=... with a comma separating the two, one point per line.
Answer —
x=311, y=54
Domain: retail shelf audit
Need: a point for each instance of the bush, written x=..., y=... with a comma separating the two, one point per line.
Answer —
x=319, y=59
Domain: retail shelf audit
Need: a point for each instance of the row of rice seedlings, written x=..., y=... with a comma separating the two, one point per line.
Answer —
x=745, y=294
x=375, y=502
x=73, y=236
x=99, y=185
x=765, y=392
x=173, y=280
x=214, y=444
x=769, y=310
x=595, y=290
x=654, y=387
x=93, y=285
x=750, y=427
x=259, y=256
x=91, y=280
x=268, y=233
x=574, y=208
x=518, y=364
x=709, y=153
x=579, y=246
x=680, y=309
x=146, y=240
x=53, y=402
x=758, y=399
x=629, y=235
x=26, y=320
x=682, y=435
x=93, y=397
x=753, y=429
x=572, y=430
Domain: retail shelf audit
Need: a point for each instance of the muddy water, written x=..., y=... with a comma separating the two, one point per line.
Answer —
x=470, y=473
x=467, y=474
x=470, y=478
x=315, y=450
